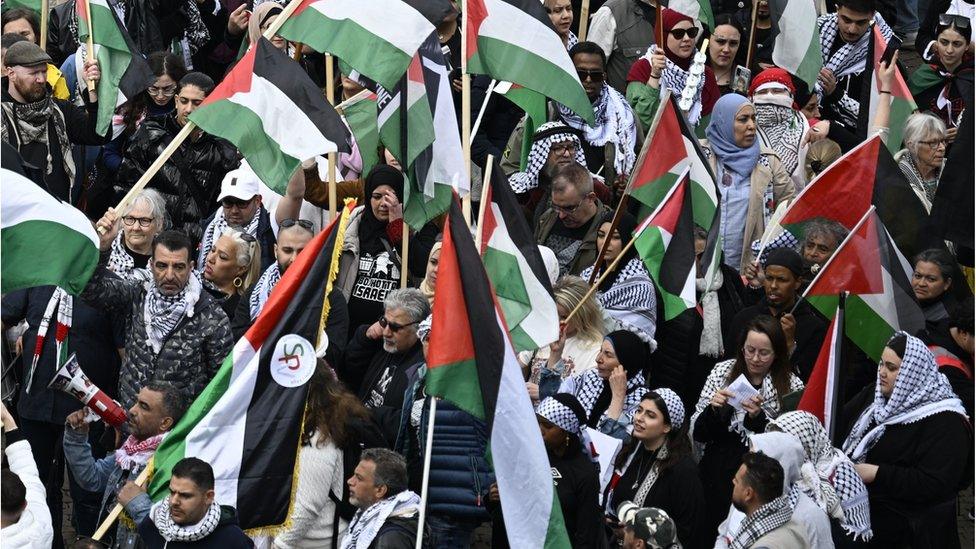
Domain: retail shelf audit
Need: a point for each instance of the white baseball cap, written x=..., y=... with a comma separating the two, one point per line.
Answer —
x=242, y=184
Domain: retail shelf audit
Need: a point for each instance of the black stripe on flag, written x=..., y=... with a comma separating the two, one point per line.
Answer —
x=434, y=10
x=288, y=76
x=273, y=427
x=679, y=259
x=534, y=9
x=138, y=75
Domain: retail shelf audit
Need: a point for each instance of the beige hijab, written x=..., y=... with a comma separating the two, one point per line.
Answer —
x=426, y=287
x=258, y=16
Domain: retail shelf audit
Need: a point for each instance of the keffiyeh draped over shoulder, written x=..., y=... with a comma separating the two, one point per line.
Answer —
x=630, y=303
x=828, y=476
x=848, y=59
x=615, y=122
x=920, y=391
x=543, y=139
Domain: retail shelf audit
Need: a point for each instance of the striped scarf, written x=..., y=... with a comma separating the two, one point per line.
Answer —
x=262, y=289
x=767, y=518
x=162, y=313
x=216, y=228
x=63, y=303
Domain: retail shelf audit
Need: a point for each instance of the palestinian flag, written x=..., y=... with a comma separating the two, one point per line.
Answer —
x=665, y=242
x=514, y=40
x=868, y=265
x=478, y=372
x=796, y=46
x=902, y=102
x=535, y=106
x=125, y=73
x=247, y=422
x=516, y=270
x=821, y=396
x=361, y=119
x=45, y=242
x=272, y=111
x=698, y=10
x=844, y=191
x=377, y=37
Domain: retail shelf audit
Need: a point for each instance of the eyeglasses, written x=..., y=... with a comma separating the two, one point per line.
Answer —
x=168, y=91
x=567, y=210
x=679, y=34
x=143, y=221
x=761, y=354
x=393, y=326
x=563, y=148
x=933, y=143
x=952, y=20
x=231, y=203
x=596, y=76
x=303, y=223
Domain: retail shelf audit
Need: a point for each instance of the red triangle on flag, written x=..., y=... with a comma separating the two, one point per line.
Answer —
x=238, y=80
x=670, y=211
x=476, y=12
x=665, y=149
x=856, y=265
x=815, y=395
x=450, y=315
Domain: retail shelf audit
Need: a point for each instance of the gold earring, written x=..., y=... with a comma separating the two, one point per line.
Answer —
x=238, y=282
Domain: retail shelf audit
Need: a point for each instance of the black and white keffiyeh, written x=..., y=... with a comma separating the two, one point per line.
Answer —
x=646, y=483
x=522, y=182
x=26, y=123
x=828, y=476
x=262, y=289
x=367, y=522
x=920, y=391
x=848, y=59
x=571, y=40
x=781, y=128
x=121, y=262
x=767, y=518
x=560, y=415
x=784, y=239
x=631, y=303
x=615, y=122
x=710, y=343
x=717, y=380
x=163, y=313
x=589, y=386
x=216, y=228
x=674, y=78
x=676, y=408
x=172, y=532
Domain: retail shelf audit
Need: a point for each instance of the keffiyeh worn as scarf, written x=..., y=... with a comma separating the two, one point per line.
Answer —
x=675, y=78
x=122, y=263
x=828, y=476
x=172, y=532
x=522, y=182
x=216, y=228
x=920, y=391
x=571, y=40
x=590, y=387
x=30, y=123
x=710, y=343
x=630, y=303
x=924, y=189
x=615, y=122
x=646, y=483
x=767, y=518
x=135, y=453
x=781, y=128
x=367, y=522
x=848, y=59
x=262, y=289
x=163, y=313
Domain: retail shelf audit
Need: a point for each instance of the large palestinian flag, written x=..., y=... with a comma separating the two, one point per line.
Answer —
x=514, y=41
x=376, y=37
x=125, y=73
x=272, y=111
x=247, y=422
x=796, y=45
x=821, y=395
x=514, y=265
x=471, y=363
x=868, y=265
x=45, y=242
x=665, y=242
x=902, y=101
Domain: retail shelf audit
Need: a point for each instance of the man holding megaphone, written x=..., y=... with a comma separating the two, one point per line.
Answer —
x=158, y=407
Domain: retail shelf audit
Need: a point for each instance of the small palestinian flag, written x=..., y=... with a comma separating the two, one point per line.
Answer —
x=821, y=397
x=125, y=73
x=376, y=37
x=665, y=242
x=868, y=266
x=272, y=111
x=471, y=363
x=361, y=119
x=247, y=422
x=45, y=242
x=516, y=270
x=902, y=101
x=535, y=106
x=698, y=10
x=796, y=46
x=514, y=41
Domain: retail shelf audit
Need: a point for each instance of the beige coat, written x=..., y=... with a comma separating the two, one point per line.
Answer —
x=762, y=177
x=791, y=535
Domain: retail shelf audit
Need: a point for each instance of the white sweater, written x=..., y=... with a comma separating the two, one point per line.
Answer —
x=34, y=527
x=319, y=471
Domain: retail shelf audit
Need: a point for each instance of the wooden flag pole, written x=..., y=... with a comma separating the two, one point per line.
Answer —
x=659, y=25
x=485, y=187
x=114, y=513
x=599, y=281
x=298, y=52
x=330, y=96
x=90, y=54
x=584, y=20
x=44, y=24
x=405, y=258
x=752, y=34
x=352, y=101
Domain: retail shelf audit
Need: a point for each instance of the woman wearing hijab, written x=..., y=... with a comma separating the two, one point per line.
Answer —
x=371, y=257
x=261, y=19
x=656, y=468
x=828, y=476
x=912, y=446
x=610, y=392
x=429, y=282
x=781, y=126
x=942, y=86
x=753, y=181
x=763, y=360
x=626, y=293
x=670, y=69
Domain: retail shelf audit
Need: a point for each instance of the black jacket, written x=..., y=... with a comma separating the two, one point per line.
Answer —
x=810, y=332
x=501, y=117
x=189, y=181
x=396, y=533
x=921, y=468
x=228, y=534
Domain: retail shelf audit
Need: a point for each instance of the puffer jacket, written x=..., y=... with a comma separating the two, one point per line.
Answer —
x=189, y=357
x=189, y=181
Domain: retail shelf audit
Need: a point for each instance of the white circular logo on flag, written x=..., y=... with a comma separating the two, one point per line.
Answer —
x=293, y=361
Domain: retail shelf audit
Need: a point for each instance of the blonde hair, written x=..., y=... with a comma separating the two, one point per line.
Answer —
x=588, y=320
x=249, y=254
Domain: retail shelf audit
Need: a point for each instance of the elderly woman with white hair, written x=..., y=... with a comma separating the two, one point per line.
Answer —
x=142, y=220
x=232, y=266
x=924, y=154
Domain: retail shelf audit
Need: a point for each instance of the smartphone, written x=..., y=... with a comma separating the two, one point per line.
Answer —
x=741, y=79
x=889, y=52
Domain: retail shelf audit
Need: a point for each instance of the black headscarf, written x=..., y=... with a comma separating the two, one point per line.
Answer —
x=625, y=227
x=633, y=354
x=372, y=231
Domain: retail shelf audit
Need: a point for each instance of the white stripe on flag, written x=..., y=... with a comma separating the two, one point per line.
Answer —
x=831, y=372
x=283, y=120
x=448, y=162
x=796, y=30
x=396, y=22
x=24, y=201
x=531, y=36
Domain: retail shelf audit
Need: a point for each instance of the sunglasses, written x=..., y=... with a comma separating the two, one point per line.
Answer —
x=679, y=34
x=596, y=76
x=303, y=223
x=230, y=203
x=393, y=326
x=246, y=237
x=952, y=20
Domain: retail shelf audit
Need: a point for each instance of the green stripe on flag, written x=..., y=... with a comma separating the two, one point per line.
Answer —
x=863, y=325
x=459, y=380
x=361, y=117
x=30, y=257
x=418, y=210
x=33, y=5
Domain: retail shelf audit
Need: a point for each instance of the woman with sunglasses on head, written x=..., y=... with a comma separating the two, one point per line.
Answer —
x=231, y=268
x=724, y=47
x=669, y=68
x=763, y=359
x=943, y=86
